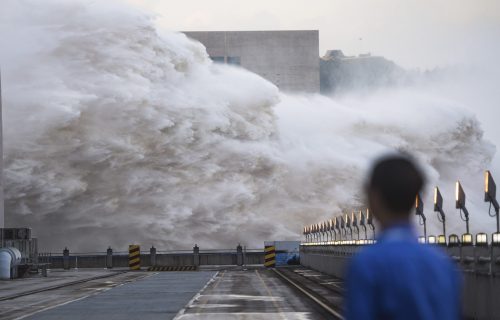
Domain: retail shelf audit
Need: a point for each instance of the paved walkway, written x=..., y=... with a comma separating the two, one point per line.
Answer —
x=159, y=296
x=55, y=278
x=250, y=294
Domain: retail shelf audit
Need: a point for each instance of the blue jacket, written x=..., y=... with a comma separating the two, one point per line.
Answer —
x=398, y=278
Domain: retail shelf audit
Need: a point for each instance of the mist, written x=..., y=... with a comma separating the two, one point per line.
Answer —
x=119, y=132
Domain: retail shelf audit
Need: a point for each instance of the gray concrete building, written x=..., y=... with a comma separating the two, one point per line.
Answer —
x=289, y=59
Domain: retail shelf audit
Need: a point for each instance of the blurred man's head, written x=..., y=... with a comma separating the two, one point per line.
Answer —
x=392, y=187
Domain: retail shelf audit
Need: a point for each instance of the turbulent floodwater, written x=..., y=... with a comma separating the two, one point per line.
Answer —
x=118, y=132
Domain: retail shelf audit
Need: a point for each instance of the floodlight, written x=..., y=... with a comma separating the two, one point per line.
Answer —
x=332, y=229
x=354, y=220
x=369, y=218
x=481, y=239
x=467, y=239
x=495, y=239
x=453, y=240
x=438, y=200
x=343, y=231
x=348, y=225
x=490, y=188
x=369, y=221
x=431, y=240
x=459, y=196
x=324, y=232
x=419, y=211
x=438, y=207
x=460, y=204
x=362, y=222
x=490, y=195
x=441, y=240
x=327, y=229
x=361, y=218
x=419, y=205
x=421, y=239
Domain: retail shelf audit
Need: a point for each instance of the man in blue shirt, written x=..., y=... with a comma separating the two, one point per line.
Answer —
x=398, y=278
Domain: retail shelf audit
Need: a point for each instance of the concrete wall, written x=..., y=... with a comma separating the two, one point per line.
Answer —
x=481, y=278
x=289, y=59
x=331, y=260
x=172, y=259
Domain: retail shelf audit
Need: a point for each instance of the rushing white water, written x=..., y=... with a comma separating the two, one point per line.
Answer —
x=117, y=132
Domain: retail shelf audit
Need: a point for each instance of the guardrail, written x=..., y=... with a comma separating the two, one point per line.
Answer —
x=119, y=259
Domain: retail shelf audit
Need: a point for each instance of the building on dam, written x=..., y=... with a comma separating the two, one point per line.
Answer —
x=289, y=59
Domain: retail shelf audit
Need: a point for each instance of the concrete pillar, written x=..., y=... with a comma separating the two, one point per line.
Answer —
x=196, y=255
x=109, y=258
x=239, y=255
x=152, y=256
x=66, y=259
x=44, y=270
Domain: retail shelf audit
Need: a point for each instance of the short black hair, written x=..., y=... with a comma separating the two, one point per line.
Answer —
x=397, y=180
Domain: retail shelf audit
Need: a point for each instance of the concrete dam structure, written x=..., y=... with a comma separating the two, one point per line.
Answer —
x=289, y=59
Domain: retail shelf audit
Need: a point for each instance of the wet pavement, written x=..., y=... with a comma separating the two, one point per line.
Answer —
x=231, y=293
x=250, y=294
x=54, y=278
x=156, y=296
x=29, y=304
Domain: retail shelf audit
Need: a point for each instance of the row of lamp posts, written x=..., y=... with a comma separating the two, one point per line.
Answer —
x=345, y=229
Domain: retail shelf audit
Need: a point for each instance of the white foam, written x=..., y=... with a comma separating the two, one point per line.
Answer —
x=117, y=132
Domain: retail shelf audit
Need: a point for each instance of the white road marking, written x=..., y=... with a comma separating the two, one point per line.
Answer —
x=196, y=296
x=77, y=299
x=247, y=315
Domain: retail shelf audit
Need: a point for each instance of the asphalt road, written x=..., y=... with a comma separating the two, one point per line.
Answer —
x=251, y=294
x=157, y=296
x=227, y=294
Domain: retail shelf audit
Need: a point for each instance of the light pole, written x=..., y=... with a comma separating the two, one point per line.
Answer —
x=354, y=223
x=337, y=226
x=419, y=211
x=438, y=207
x=490, y=195
x=369, y=221
x=342, y=226
x=363, y=224
x=348, y=225
x=333, y=234
x=460, y=204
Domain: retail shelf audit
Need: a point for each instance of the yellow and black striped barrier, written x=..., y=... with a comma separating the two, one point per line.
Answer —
x=269, y=256
x=134, y=257
x=172, y=268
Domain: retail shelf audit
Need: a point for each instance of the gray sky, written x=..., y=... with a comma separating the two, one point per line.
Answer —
x=414, y=33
